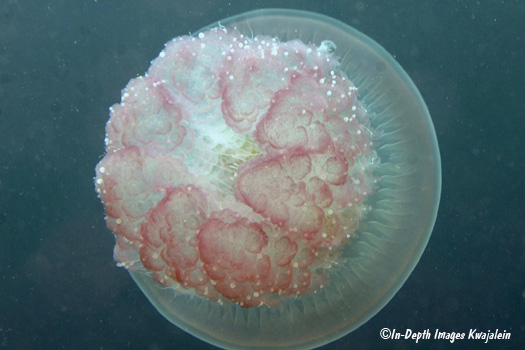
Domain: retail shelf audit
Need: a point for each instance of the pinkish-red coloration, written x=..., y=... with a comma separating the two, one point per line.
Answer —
x=236, y=168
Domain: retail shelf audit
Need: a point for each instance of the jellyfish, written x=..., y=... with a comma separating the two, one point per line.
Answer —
x=271, y=181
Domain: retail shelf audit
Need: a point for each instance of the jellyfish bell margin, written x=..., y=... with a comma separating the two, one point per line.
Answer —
x=271, y=181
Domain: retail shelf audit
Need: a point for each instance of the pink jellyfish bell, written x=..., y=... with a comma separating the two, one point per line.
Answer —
x=271, y=181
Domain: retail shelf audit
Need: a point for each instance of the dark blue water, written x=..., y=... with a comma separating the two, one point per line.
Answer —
x=63, y=63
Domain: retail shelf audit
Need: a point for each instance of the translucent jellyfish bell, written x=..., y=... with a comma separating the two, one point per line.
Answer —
x=271, y=182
